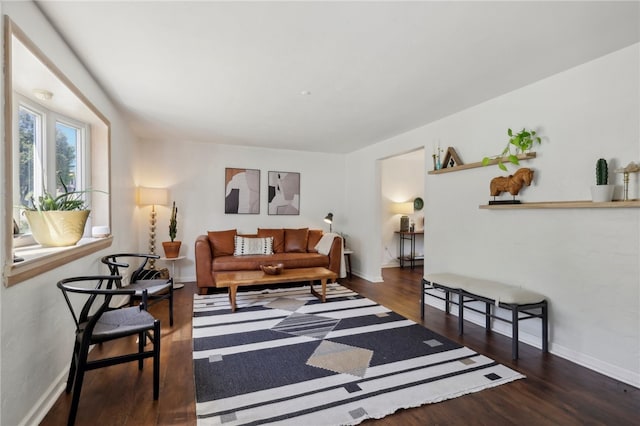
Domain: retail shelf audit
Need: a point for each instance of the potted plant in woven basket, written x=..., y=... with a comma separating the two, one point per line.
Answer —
x=172, y=248
x=57, y=221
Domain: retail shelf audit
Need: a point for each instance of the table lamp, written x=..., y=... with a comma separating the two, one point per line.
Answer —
x=329, y=219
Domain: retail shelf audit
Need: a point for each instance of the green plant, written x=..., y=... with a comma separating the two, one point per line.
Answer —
x=68, y=200
x=521, y=141
x=173, y=222
x=602, y=172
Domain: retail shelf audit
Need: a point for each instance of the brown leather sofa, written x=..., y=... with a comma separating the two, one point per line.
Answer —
x=294, y=248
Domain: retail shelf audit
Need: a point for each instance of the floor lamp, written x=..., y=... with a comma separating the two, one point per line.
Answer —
x=153, y=197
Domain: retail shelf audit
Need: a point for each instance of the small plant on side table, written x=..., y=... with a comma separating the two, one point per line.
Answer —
x=172, y=248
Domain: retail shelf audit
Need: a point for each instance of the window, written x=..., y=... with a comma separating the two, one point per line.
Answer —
x=62, y=135
x=51, y=150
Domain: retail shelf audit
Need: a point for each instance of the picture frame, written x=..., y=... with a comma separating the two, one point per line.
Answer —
x=283, y=193
x=241, y=191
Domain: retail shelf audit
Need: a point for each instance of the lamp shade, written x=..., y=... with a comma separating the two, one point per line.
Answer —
x=402, y=208
x=152, y=196
x=329, y=218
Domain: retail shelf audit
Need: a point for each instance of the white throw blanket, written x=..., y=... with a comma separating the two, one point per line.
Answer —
x=324, y=247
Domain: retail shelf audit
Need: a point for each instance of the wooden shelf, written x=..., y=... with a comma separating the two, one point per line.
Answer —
x=565, y=205
x=521, y=157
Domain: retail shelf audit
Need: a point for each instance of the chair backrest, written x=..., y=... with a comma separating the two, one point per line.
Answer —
x=116, y=261
x=88, y=314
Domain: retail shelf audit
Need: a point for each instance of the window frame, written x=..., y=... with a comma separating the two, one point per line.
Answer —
x=98, y=144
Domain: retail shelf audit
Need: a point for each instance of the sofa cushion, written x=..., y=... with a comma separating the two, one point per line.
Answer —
x=246, y=246
x=278, y=238
x=222, y=242
x=295, y=240
x=253, y=262
x=314, y=237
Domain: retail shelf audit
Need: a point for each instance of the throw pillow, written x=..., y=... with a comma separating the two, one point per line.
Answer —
x=278, y=238
x=295, y=240
x=245, y=246
x=222, y=242
x=314, y=237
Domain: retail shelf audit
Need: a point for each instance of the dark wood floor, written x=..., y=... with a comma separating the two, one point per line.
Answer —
x=555, y=392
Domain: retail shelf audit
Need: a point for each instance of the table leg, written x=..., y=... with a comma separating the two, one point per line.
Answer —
x=176, y=285
x=323, y=296
x=232, y=297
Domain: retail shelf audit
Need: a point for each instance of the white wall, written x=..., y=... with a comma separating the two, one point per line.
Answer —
x=586, y=261
x=401, y=181
x=194, y=174
x=36, y=335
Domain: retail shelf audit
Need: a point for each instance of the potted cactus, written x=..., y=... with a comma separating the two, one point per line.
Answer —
x=172, y=248
x=602, y=192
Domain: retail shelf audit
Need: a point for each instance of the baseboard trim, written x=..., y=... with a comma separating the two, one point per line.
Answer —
x=46, y=401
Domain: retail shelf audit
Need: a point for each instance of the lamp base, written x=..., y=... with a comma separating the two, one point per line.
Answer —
x=404, y=224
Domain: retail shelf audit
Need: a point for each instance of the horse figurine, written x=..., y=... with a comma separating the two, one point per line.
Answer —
x=512, y=183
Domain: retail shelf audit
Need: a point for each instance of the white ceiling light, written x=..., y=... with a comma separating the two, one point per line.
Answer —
x=43, y=94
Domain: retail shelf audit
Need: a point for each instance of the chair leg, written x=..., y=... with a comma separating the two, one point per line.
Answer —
x=156, y=359
x=72, y=368
x=77, y=385
x=142, y=341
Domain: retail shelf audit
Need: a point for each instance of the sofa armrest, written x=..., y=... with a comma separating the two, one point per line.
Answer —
x=204, y=258
x=335, y=255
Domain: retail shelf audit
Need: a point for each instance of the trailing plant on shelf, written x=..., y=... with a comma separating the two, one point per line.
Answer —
x=520, y=142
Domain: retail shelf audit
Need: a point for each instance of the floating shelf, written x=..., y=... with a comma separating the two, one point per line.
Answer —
x=564, y=205
x=521, y=157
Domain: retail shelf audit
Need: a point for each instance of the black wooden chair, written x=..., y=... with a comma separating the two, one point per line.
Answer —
x=141, y=279
x=96, y=323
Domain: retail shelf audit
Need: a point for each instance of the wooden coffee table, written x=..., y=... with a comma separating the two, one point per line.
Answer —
x=236, y=279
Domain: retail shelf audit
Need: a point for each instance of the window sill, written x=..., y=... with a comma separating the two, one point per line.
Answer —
x=39, y=260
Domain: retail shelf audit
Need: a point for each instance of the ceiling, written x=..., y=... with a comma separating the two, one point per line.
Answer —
x=324, y=76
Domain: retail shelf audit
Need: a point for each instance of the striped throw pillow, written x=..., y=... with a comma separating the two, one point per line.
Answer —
x=245, y=246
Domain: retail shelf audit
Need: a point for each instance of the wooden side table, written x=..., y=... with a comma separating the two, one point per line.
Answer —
x=173, y=261
x=347, y=258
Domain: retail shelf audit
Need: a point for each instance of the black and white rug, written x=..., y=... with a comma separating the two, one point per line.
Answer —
x=285, y=358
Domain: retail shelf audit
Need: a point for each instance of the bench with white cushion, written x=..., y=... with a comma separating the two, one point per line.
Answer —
x=523, y=304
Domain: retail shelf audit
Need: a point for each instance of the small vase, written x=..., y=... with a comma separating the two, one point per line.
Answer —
x=171, y=249
x=602, y=193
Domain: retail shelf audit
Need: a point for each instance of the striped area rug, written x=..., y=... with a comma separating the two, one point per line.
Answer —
x=285, y=358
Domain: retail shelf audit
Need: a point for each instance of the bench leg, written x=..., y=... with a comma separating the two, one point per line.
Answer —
x=424, y=288
x=487, y=318
x=447, y=301
x=545, y=328
x=514, y=337
x=460, y=313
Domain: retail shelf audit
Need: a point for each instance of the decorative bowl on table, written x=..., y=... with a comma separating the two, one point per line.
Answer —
x=272, y=269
